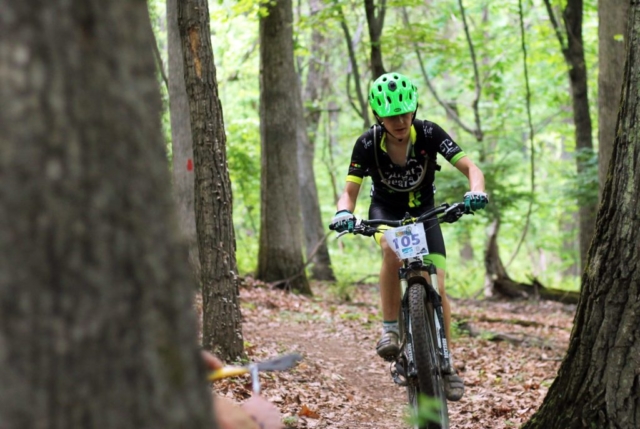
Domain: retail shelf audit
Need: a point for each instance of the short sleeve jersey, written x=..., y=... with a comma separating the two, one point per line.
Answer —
x=411, y=185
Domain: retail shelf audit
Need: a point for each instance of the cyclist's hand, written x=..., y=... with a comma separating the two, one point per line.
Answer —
x=475, y=200
x=343, y=220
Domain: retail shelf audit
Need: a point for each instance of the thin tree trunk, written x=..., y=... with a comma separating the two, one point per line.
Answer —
x=375, y=20
x=97, y=328
x=573, y=52
x=280, y=253
x=612, y=31
x=363, y=106
x=314, y=229
x=221, y=319
x=181, y=141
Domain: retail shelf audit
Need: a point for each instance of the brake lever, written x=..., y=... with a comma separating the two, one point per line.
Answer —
x=453, y=213
x=357, y=226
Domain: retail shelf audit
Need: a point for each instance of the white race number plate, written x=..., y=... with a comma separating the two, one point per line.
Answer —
x=408, y=241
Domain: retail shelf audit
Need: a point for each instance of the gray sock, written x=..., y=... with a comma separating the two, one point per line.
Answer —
x=390, y=327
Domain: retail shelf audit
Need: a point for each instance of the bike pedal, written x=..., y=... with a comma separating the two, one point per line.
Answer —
x=398, y=374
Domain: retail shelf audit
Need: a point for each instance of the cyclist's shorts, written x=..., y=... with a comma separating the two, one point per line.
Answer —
x=437, y=252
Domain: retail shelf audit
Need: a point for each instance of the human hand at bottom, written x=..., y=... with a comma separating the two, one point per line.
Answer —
x=231, y=416
x=263, y=412
x=255, y=413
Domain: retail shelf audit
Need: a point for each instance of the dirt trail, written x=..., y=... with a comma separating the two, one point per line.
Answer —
x=341, y=383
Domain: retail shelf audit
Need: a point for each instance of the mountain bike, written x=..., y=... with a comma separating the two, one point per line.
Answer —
x=424, y=354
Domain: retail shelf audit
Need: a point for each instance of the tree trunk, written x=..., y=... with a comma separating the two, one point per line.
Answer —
x=597, y=383
x=362, y=108
x=376, y=24
x=612, y=29
x=221, y=323
x=181, y=141
x=96, y=322
x=574, y=53
x=499, y=285
x=314, y=229
x=280, y=253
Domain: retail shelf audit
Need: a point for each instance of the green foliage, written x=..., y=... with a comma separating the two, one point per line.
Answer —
x=504, y=154
x=290, y=421
x=341, y=290
x=157, y=14
x=428, y=409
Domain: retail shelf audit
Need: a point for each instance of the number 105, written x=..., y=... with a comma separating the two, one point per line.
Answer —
x=406, y=241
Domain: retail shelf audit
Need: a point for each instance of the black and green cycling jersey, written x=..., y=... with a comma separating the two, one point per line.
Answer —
x=411, y=185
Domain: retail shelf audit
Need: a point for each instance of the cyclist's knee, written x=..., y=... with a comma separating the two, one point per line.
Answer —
x=388, y=255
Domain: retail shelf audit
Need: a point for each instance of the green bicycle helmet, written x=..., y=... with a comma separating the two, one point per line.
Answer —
x=393, y=94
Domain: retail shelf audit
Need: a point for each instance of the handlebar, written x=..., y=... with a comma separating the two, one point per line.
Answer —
x=450, y=214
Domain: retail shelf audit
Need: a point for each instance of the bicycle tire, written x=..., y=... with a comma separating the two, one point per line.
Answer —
x=429, y=381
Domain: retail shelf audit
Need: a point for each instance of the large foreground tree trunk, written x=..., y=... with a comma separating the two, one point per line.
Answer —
x=221, y=318
x=96, y=322
x=280, y=254
x=598, y=383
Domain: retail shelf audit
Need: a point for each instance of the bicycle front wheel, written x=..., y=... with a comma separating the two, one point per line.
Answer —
x=424, y=339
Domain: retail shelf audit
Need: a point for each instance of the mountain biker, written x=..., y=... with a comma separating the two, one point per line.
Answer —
x=399, y=154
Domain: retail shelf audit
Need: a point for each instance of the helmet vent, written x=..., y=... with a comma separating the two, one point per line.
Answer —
x=400, y=98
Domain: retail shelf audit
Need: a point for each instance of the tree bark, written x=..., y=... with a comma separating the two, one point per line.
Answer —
x=362, y=109
x=581, y=117
x=97, y=328
x=181, y=140
x=221, y=319
x=612, y=30
x=280, y=253
x=375, y=23
x=314, y=229
x=597, y=383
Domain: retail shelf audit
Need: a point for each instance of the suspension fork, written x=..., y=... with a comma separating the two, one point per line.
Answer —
x=434, y=297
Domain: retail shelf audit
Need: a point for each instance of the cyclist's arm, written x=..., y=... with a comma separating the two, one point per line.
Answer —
x=349, y=197
x=473, y=173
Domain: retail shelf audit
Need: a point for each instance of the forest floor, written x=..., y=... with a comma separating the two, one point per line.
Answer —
x=507, y=352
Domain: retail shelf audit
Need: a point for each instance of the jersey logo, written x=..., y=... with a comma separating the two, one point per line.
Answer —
x=447, y=147
x=407, y=176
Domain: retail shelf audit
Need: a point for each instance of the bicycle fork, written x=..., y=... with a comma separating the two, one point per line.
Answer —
x=438, y=319
x=405, y=365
